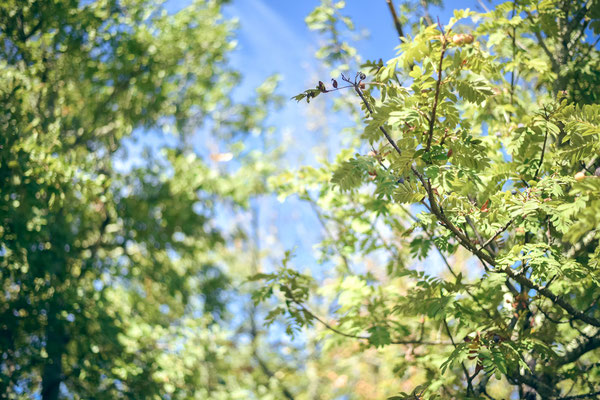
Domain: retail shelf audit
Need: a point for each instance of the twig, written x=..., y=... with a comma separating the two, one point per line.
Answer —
x=321, y=219
x=542, y=155
x=426, y=15
x=476, y=232
x=498, y=232
x=361, y=337
x=542, y=43
x=514, y=56
x=487, y=10
x=462, y=364
x=381, y=128
x=523, y=280
x=397, y=23
x=437, y=94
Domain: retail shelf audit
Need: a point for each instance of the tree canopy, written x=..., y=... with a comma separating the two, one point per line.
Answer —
x=480, y=143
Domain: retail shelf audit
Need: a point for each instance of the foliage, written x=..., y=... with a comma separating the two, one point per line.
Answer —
x=111, y=267
x=488, y=131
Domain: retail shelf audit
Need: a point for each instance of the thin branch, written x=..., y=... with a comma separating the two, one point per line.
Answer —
x=462, y=364
x=592, y=305
x=542, y=43
x=436, y=97
x=361, y=337
x=454, y=274
x=381, y=128
x=267, y=371
x=498, y=233
x=397, y=22
x=514, y=56
x=321, y=219
x=426, y=12
x=583, y=242
x=487, y=10
x=577, y=18
x=523, y=280
x=542, y=155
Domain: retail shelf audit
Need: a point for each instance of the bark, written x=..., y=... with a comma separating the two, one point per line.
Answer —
x=56, y=341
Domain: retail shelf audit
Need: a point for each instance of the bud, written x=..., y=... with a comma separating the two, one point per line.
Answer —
x=321, y=87
x=334, y=82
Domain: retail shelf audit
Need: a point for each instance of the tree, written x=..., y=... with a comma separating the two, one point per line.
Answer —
x=480, y=143
x=111, y=268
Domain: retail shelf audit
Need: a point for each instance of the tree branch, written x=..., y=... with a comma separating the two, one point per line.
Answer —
x=462, y=364
x=542, y=43
x=361, y=337
x=397, y=23
x=498, y=233
x=542, y=156
x=436, y=97
x=581, y=396
x=585, y=347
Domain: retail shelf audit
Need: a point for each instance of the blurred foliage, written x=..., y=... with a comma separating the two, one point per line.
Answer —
x=112, y=269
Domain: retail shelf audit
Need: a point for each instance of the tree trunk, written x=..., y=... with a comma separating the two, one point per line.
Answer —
x=56, y=341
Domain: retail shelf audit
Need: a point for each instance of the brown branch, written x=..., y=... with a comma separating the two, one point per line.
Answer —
x=537, y=171
x=514, y=56
x=288, y=395
x=397, y=23
x=426, y=12
x=585, y=347
x=577, y=18
x=542, y=43
x=437, y=94
x=498, y=233
x=455, y=275
x=524, y=281
x=381, y=128
x=263, y=365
